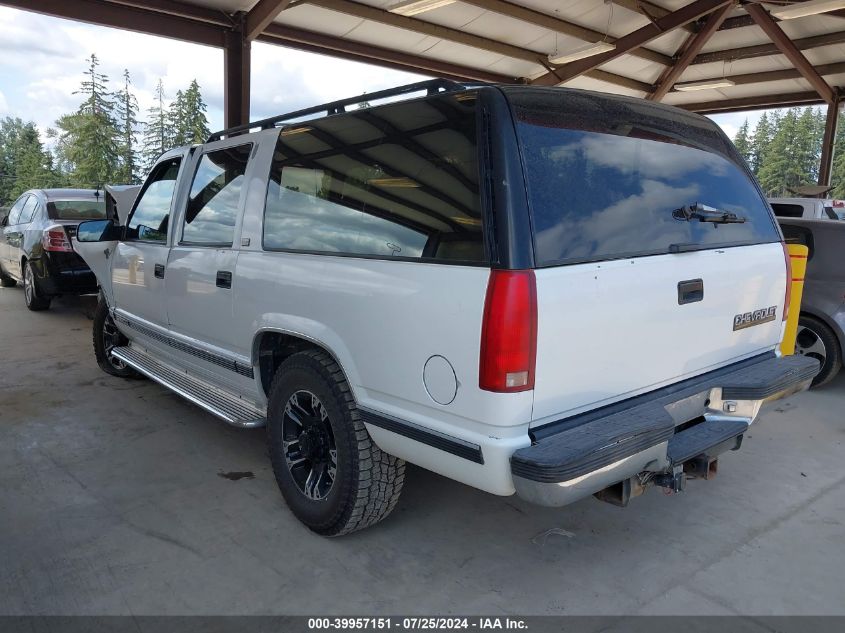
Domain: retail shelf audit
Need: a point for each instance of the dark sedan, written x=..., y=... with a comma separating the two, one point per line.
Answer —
x=35, y=246
x=821, y=326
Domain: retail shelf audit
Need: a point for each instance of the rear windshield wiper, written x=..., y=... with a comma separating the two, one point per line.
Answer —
x=703, y=213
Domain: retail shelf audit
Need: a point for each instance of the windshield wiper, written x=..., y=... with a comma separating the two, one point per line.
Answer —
x=703, y=213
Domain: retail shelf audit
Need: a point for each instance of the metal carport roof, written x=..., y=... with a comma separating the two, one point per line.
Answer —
x=758, y=60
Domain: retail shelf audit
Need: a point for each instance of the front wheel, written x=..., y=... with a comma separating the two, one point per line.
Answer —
x=34, y=300
x=330, y=472
x=106, y=338
x=817, y=340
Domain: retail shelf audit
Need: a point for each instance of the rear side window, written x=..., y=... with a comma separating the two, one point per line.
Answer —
x=28, y=210
x=15, y=213
x=784, y=210
x=397, y=181
x=215, y=197
x=151, y=217
x=605, y=175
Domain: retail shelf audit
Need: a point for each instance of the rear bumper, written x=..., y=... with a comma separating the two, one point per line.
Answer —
x=63, y=273
x=649, y=436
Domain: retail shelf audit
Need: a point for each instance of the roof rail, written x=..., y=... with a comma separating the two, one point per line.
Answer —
x=432, y=86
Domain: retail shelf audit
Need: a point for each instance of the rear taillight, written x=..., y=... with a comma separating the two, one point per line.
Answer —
x=788, y=298
x=55, y=240
x=509, y=332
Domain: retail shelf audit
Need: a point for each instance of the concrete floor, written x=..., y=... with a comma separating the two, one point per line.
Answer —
x=112, y=503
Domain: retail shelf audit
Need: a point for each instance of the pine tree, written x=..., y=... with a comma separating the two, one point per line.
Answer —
x=743, y=142
x=196, y=123
x=24, y=164
x=176, y=115
x=156, y=130
x=88, y=141
x=780, y=169
x=127, y=118
x=760, y=143
x=11, y=131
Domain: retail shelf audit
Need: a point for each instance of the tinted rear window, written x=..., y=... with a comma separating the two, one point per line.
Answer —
x=604, y=176
x=77, y=209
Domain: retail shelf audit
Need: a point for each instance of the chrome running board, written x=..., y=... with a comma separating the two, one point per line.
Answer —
x=219, y=402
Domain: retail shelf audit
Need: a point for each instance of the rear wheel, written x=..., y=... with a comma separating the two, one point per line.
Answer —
x=106, y=338
x=817, y=340
x=34, y=300
x=330, y=472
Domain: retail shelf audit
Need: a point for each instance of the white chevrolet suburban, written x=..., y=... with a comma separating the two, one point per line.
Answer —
x=539, y=291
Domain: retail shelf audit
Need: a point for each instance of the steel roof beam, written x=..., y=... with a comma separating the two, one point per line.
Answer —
x=357, y=51
x=649, y=10
x=785, y=45
x=765, y=50
x=640, y=37
x=553, y=23
x=367, y=12
x=262, y=15
x=829, y=140
x=126, y=17
x=689, y=50
x=743, y=104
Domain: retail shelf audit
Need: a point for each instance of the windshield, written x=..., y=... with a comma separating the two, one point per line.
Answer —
x=609, y=179
x=77, y=209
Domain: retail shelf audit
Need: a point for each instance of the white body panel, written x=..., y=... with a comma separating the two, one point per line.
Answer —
x=610, y=330
x=382, y=321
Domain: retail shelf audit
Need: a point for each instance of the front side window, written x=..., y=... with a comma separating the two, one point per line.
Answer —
x=397, y=181
x=149, y=222
x=215, y=195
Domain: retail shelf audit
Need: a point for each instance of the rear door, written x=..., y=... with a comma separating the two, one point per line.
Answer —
x=201, y=265
x=636, y=288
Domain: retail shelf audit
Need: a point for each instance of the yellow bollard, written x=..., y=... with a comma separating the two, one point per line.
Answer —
x=798, y=258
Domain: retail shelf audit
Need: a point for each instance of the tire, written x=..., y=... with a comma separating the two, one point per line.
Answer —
x=106, y=336
x=817, y=340
x=35, y=301
x=356, y=484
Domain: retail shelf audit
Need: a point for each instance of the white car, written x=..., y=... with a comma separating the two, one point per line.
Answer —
x=539, y=291
x=809, y=208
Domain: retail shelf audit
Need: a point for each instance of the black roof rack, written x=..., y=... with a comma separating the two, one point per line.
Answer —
x=432, y=86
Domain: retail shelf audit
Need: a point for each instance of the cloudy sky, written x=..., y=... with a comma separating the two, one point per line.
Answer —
x=42, y=60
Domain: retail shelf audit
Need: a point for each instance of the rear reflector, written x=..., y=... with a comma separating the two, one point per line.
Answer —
x=788, y=298
x=509, y=332
x=55, y=240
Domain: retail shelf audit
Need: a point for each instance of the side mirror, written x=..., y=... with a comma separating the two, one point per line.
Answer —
x=99, y=231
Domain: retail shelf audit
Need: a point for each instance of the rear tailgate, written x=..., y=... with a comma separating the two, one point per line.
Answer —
x=609, y=330
x=650, y=238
